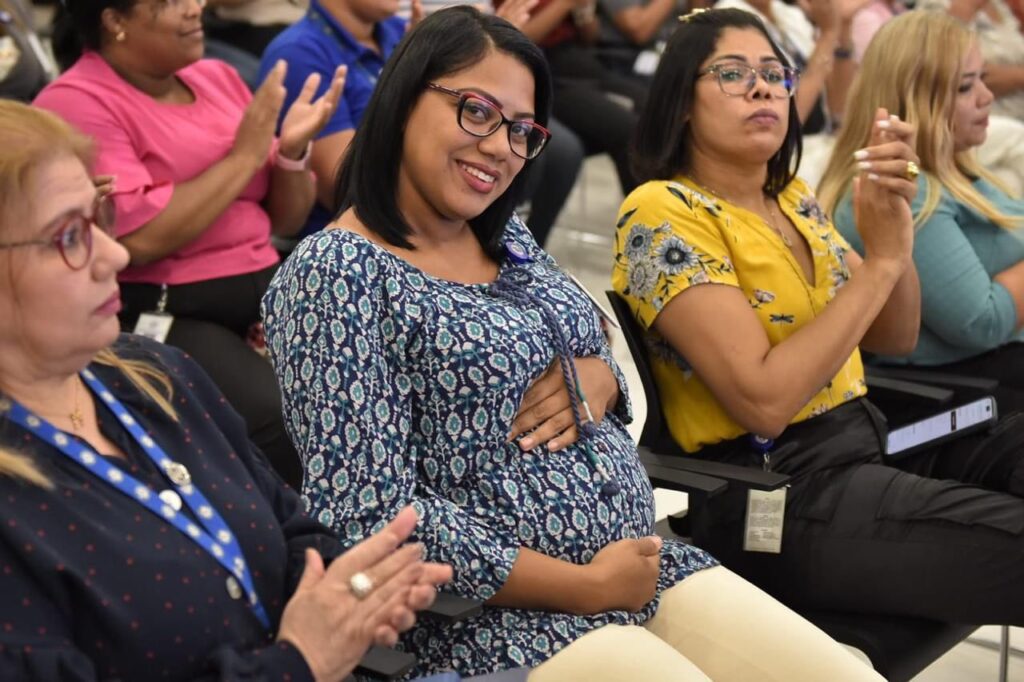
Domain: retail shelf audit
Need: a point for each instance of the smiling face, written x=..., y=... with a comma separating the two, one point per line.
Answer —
x=972, y=104
x=447, y=173
x=161, y=36
x=57, y=316
x=750, y=127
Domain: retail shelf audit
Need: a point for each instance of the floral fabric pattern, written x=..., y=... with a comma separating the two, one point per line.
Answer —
x=401, y=388
x=671, y=236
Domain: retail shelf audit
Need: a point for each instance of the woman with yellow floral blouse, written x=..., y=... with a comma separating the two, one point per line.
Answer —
x=764, y=369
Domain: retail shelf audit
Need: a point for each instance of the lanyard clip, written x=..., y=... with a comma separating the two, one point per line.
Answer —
x=763, y=446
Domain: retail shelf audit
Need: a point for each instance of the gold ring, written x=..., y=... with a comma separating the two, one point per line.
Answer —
x=912, y=171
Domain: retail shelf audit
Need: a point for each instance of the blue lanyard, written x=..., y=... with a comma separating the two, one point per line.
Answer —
x=214, y=536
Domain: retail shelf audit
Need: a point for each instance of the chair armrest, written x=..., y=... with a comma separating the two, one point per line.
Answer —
x=451, y=608
x=748, y=477
x=926, y=376
x=385, y=664
x=935, y=396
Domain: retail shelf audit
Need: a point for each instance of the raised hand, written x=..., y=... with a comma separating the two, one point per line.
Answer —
x=885, y=188
x=305, y=117
x=256, y=130
x=516, y=12
x=332, y=627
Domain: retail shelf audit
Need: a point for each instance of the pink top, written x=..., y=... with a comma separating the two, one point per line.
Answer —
x=150, y=146
x=868, y=20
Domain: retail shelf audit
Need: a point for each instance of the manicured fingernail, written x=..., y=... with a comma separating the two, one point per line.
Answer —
x=894, y=118
x=552, y=445
x=883, y=123
x=527, y=442
x=860, y=154
x=872, y=176
x=863, y=165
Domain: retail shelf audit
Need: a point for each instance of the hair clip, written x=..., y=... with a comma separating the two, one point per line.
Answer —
x=686, y=18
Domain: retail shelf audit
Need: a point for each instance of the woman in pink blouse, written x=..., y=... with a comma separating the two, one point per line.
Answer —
x=200, y=185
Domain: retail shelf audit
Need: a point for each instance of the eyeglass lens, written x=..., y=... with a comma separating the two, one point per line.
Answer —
x=479, y=117
x=74, y=240
x=739, y=79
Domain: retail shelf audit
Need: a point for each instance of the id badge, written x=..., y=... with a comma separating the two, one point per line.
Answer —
x=765, y=513
x=154, y=326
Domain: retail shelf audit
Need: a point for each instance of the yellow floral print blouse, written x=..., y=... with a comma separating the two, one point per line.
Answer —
x=672, y=235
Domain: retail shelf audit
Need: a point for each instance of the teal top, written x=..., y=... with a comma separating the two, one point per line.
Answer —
x=957, y=251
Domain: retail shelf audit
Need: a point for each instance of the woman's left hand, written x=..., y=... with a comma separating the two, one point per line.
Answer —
x=546, y=410
x=305, y=118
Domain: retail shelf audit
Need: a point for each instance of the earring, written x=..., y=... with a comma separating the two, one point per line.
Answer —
x=120, y=36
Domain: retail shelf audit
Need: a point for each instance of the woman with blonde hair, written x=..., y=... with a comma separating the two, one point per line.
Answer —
x=144, y=536
x=968, y=252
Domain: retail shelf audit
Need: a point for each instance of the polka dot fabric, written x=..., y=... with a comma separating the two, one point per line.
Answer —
x=400, y=388
x=93, y=586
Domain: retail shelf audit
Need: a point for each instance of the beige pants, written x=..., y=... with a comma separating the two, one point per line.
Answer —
x=712, y=626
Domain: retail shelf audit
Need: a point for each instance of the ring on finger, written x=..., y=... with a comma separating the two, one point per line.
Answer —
x=912, y=171
x=361, y=585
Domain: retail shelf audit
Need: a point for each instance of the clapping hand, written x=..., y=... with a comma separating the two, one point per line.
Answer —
x=332, y=624
x=306, y=117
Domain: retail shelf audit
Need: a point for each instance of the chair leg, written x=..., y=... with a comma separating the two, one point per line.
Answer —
x=1004, y=653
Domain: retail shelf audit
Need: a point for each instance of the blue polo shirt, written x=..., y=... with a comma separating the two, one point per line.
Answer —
x=318, y=44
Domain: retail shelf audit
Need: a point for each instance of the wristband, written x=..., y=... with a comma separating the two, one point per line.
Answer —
x=842, y=52
x=300, y=164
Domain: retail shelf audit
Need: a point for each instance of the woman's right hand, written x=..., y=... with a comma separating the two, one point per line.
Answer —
x=625, y=574
x=255, y=133
x=331, y=627
x=882, y=194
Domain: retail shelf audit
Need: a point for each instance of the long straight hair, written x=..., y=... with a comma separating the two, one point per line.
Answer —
x=661, y=148
x=913, y=68
x=444, y=43
x=29, y=139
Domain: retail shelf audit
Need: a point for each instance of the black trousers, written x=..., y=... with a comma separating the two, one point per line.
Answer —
x=937, y=535
x=211, y=321
x=581, y=103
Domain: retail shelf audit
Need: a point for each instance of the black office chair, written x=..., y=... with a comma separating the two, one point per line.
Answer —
x=898, y=648
x=382, y=663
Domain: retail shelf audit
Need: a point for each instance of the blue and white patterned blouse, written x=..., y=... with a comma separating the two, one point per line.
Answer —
x=400, y=387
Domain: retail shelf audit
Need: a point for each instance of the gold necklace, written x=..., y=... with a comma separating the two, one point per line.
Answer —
x=76, y=416
x=771, y=212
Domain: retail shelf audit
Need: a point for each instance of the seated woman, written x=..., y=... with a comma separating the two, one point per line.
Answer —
x=144, y=536
x=756, y=308
x=969, y=257
x=200, y=186
x=430, y=352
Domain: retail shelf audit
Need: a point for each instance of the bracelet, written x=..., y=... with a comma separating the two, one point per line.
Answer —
x=842, y=52
x=299, y=164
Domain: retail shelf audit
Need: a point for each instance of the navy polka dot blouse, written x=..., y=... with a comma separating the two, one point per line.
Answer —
x=94, y=586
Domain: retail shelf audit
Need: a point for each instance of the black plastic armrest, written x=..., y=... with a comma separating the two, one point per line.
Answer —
x=749, y=477
x=931, y=394
x=926, y=376
x=385, y=664
x=451, y=608
x=684, y=481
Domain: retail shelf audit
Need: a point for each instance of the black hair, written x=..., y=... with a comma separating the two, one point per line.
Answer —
x=78, y=26
x=661, y=148
x=447, y=41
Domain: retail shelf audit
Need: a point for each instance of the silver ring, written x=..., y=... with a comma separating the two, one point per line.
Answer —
x=361, y=585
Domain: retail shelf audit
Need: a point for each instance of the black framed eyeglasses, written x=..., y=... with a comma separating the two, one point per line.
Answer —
x=479, y=117
x=73, y=238
x=737, y=79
